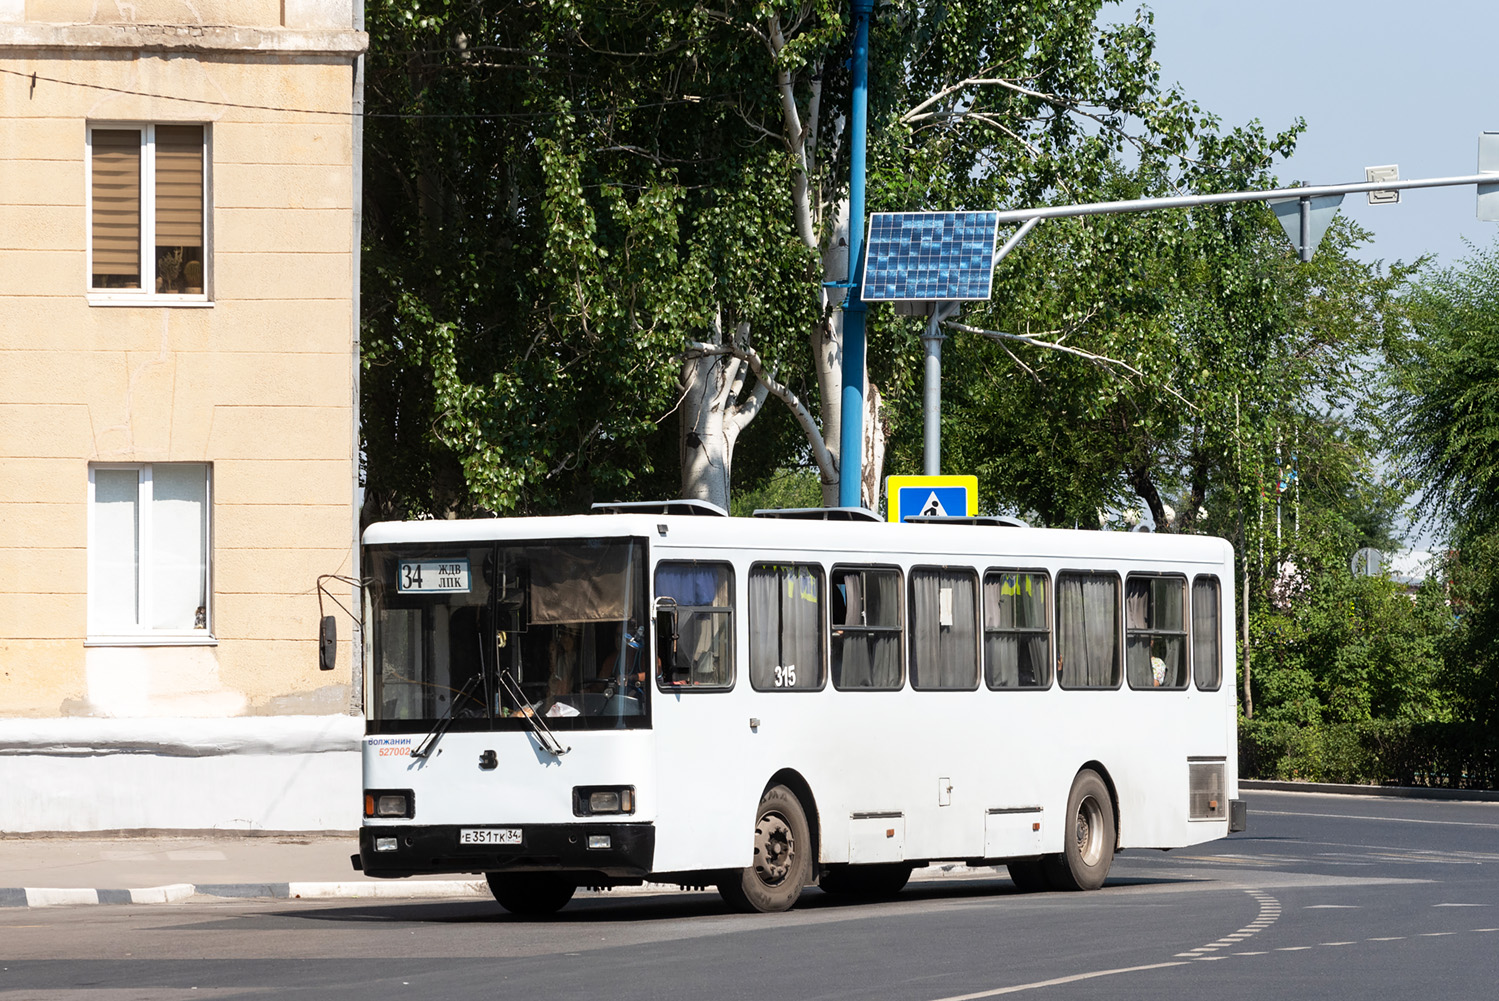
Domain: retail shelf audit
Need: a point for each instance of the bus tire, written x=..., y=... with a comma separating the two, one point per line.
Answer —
x=783, y=857
x=530, y=894
x=878, y=880
x=1088, y=840
x=1028, y=876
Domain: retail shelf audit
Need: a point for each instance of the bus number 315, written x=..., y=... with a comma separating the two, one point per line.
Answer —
x=786, y=676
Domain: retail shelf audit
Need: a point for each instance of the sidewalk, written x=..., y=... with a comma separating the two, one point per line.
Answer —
x=47, y=870
x=69, y=869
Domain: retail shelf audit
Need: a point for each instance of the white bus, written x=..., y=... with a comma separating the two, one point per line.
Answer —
x=664, y=693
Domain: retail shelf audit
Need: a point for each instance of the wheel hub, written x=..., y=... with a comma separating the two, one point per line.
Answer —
x=1089, y=820
x=774, y=849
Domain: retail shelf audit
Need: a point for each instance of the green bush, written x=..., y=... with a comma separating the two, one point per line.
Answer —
x=1371, y=752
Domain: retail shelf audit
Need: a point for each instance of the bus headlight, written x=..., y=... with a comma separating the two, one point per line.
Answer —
x=389, y=803
x=589, y=801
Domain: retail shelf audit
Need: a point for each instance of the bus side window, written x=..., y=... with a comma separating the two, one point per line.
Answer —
x=1087, y=629
x=1017, y=629
x=700, y=597
x=785, y=627
x=1155, y=631
x=866, y=633
x=944, y=628
x=1207, y=635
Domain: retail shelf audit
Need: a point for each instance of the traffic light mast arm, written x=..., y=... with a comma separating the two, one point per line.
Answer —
x=1228, y=197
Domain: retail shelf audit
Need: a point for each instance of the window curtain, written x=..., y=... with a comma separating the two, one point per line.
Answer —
x=1207, y=660
x=1137, y=648
x=1088, y=630
x=1017, y=642
x=785, y=625
x=584, y=582
x=944, y=630
x=867, y=636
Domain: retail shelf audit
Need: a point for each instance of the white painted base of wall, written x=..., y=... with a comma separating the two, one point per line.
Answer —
x=244, y=773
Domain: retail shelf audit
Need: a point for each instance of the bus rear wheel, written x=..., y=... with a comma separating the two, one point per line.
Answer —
x=782, y=861
x=530, y=894
x=1088, y=842
x=1028, y=876
x=884, y=879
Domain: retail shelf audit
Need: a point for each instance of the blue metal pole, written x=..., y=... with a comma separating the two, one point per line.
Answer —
x=851, y=439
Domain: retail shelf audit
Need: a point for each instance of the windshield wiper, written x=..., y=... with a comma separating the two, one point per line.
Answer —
x=442, y=725
x=544, y=735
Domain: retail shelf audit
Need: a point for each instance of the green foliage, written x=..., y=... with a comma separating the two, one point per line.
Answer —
x=1332, y=647
x=1452, y=755
x=557, y=198
x=1446, y=401
x=1472, y=650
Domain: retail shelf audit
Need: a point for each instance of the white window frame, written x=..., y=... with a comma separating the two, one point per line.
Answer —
x=146, y=294
x=142, y=636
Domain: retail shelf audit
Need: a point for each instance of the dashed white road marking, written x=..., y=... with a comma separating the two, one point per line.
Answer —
x=1436, y=934
x=1340, y=943
x=1293, y=948
x=1459, y=905
x=1331, y=907
x=1389, y=938
x=1059, y=980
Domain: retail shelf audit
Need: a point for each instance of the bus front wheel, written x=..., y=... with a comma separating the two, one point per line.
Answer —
x=782, y=862
x=1088, y=841
x=531, y=894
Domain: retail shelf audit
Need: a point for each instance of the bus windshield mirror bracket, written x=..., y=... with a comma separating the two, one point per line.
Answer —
x=544, y=735
x=442, y=725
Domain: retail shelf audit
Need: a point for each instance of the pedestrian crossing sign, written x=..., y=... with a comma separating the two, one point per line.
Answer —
x=931, y=496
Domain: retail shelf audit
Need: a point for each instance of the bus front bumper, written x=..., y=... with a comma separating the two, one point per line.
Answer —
x=620, y=850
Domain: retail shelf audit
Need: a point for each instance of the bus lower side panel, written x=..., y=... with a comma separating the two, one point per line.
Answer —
x=543, y=848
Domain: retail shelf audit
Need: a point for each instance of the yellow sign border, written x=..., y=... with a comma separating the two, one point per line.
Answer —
x=894, y=484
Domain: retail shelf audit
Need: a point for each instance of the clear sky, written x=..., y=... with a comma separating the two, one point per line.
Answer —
x=1378, y=82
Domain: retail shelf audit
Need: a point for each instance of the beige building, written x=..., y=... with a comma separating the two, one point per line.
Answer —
x=178, y=411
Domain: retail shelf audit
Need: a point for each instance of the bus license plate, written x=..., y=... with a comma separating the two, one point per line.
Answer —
x=489, y=836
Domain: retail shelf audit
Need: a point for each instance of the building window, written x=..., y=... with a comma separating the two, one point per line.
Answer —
x=147, y=211
x=149, y=552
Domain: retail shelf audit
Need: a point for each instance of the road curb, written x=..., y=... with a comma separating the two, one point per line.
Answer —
x=420, y=889
x=176, y=893
x=1400, y=792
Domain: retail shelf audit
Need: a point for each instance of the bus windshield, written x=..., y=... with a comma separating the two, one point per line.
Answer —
x=490, y=633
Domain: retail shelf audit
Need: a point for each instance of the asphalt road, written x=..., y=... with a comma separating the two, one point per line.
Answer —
x=1324, y=897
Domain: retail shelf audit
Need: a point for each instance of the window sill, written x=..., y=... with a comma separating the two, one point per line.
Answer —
x=190, y=302
x=196, y=638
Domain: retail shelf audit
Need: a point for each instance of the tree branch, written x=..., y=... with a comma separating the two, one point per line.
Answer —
x=1101, y=361
x=826, y=464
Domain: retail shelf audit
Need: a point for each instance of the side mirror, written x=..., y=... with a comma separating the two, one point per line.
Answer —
x=327, y=650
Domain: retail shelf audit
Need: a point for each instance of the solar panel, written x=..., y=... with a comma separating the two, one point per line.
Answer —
x=929, y=255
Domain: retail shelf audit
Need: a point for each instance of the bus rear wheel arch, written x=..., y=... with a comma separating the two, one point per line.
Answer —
x=1088, y=838
x=782, y=862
